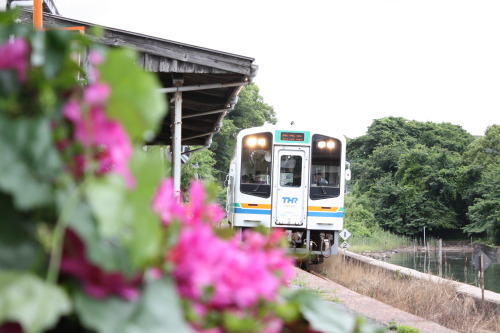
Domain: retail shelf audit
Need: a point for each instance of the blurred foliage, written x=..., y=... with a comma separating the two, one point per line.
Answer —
x=81, y=250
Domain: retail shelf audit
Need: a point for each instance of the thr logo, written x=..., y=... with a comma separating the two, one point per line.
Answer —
x=290, y=200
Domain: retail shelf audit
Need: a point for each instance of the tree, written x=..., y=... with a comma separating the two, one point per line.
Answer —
x=413, y=172
x=250, y=111
x=484, y=211
x=359, y=220
x=199, y=166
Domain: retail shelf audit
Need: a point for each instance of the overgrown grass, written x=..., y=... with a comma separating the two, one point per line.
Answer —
x=435, y=302
x=379, y=240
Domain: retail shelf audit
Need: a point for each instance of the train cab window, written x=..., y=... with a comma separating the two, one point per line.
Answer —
x=291, y=171
x=256, y=156
x=325, y=167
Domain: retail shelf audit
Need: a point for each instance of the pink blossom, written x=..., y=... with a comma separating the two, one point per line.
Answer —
x=96, y=94
x=239, y=274
x=95, y=58
x=197, y=211
x=219, y=275
x=105, y=137
x=72, y=111
x=14, y=55
x=95, y=282
x=273, y=325
x=166, y=204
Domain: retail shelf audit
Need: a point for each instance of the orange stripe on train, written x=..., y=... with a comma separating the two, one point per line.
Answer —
x=259, y=206
x=322, y=209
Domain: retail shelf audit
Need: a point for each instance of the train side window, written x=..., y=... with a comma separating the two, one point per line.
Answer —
x=325, y=167
x=256, y=156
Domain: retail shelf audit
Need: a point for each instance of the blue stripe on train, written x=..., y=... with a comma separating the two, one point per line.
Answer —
x=252, y=211
x=325, y=214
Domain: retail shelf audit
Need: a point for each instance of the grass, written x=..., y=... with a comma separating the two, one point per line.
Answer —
x=379, y=240
x=327, y=295
x=435, y=302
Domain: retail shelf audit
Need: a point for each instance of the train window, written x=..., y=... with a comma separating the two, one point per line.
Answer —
x=325, y=167
x=291, y=170
x=256, y=156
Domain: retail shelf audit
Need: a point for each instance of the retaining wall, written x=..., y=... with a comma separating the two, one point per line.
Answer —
x=462, y=288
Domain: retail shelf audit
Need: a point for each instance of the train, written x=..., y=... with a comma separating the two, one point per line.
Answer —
x=292, y=179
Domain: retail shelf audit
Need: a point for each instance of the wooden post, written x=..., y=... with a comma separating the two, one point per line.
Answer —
x=37, y=14
x=482, y=278
x=440, y=257
x=425, y=244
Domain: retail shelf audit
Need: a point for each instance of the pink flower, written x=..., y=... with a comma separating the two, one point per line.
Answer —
x=95, y=58
x=218, y=275
x=273, y=325
x=96, y=94
x=72, y=111
x=166, y=204
x=238, y=274
x=197, y=211
x=14, y=55
x=106, y=138
x=95, y=282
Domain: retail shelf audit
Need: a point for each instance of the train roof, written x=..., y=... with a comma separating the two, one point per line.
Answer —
x=325, y=130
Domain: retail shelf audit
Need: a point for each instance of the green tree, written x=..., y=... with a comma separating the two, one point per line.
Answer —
x=413, y=172
x=484, y=210
x=199, y=166
x=250, y=111
x=359, y=220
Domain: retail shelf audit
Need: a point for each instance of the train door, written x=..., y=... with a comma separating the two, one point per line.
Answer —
x=290, y=182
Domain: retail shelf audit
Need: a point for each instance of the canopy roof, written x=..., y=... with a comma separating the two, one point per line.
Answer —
x=211, y=79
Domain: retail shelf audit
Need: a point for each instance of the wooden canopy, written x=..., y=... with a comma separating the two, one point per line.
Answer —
x=210, y=80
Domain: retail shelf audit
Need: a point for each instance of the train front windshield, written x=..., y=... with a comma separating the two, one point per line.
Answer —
x=256, y=156
x=325, y=167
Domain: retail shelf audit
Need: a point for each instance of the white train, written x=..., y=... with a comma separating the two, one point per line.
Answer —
x=290, y=179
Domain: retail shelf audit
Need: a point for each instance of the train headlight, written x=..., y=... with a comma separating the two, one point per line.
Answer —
x=261, y=142
x=330, y=144
x=252, y=142
x=321, y=144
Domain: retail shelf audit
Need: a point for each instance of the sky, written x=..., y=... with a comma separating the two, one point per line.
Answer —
x=343, y=63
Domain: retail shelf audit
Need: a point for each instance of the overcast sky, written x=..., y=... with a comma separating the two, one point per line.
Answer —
x=340, y=62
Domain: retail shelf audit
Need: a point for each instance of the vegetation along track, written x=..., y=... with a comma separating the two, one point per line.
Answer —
x=436, y=302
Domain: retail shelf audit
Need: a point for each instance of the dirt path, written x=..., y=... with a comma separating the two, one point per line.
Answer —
x=365, y=306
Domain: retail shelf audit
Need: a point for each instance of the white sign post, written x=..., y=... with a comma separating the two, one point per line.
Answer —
x=344, y=234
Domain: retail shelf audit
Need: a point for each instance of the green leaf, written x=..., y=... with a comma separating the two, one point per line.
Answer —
x=107, y=253
x=146, y=238
x=157, y=310
x=135, y=100
x=35, y=304
x=106, y=197
x=322, y=316
x=104, y=316
x=19, y=248
x=29, y=161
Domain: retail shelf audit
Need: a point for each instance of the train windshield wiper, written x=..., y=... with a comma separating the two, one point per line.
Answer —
x=257, y=188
